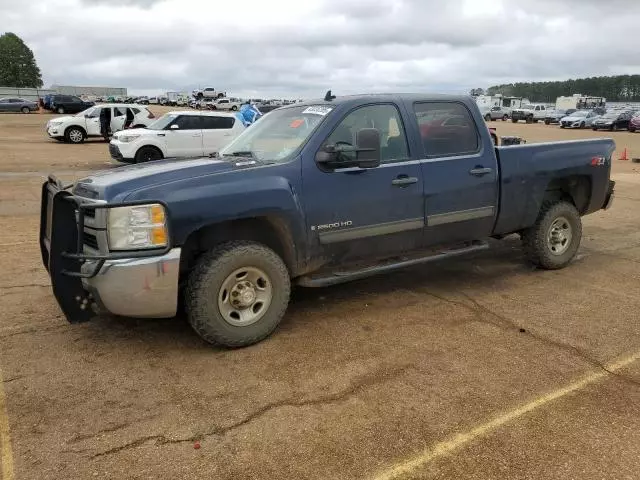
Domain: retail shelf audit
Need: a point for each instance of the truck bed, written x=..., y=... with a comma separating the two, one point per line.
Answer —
x=527, y=171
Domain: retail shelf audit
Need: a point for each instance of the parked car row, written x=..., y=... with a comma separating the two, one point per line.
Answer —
x=15, y=104
x=596, y=118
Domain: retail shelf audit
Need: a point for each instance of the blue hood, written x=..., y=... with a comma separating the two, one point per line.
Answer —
x=120, y=181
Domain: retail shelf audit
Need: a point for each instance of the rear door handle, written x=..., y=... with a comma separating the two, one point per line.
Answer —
x=403, y=181
x=480, y=171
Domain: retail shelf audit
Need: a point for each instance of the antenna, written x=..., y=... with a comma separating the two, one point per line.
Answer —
x=328, y=97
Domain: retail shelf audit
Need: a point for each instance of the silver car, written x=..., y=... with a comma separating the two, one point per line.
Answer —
x=17, y=105
x=579, y=119
x=497, y=113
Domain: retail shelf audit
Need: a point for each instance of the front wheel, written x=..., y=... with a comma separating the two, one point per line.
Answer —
x=74, y=135
x=60, y=110
x=487, y=117
x=547, y=122
x=505, y=118
x=234, y=108
x=25, y=110
x=582, y=125
x=237, y=294
x=514, y=120
x=552, y=242
x=632, y=130
x=148, y=154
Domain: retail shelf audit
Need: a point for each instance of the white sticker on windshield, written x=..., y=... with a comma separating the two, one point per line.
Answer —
x=318, y=110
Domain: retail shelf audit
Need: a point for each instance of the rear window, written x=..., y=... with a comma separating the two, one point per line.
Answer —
x=217, y=123
x=447, y=129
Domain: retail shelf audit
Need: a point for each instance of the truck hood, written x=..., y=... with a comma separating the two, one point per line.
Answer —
x=120, y=181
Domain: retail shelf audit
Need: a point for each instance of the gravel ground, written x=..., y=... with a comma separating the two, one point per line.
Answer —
x=477, y=368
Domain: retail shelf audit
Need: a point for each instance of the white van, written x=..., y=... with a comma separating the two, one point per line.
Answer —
x=177, y=134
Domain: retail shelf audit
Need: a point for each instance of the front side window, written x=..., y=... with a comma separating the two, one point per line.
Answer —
x=447, y=129
x=386, y=119
x=188, y=122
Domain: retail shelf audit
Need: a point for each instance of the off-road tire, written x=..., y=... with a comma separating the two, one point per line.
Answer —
x=534, y=239
x=206, y=279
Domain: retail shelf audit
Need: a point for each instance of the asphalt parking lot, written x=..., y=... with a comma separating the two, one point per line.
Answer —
x=477, y=368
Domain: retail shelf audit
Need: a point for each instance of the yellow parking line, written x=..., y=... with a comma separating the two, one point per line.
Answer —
x=460, y=440
x=6, y=456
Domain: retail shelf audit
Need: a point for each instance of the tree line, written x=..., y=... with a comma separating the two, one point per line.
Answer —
x=619, y=88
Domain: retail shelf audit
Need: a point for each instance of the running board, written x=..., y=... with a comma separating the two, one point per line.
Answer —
x=341, y=276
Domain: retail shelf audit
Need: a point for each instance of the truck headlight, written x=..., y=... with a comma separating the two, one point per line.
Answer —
x=137, y=227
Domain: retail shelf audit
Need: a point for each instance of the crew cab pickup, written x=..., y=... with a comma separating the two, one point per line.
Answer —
x=315, y=194
x=529, y=113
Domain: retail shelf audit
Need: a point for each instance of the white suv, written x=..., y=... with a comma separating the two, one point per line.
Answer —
x=177, y=134
x=77, y=128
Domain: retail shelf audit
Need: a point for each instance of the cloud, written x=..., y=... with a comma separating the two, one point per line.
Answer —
x=299, y=49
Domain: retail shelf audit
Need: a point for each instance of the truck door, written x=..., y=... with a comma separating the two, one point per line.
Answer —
x=362, y=212
x=460, y=173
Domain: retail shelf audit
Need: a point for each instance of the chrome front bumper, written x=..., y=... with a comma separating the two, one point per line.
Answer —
x=138, y=287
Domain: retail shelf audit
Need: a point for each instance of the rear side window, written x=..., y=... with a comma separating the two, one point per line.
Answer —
x=188, y=122
x=217, y=123
x=447, y=129
x=135, y=111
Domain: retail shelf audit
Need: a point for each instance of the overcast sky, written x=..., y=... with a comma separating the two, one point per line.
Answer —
x=301, y=48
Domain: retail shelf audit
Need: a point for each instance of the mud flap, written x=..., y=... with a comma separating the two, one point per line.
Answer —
x=73, y=299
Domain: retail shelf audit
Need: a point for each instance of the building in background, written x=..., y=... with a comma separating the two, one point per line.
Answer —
x=96, y=91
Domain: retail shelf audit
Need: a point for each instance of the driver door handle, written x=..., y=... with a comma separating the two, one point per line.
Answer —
x=403, y=181
x=480, y=171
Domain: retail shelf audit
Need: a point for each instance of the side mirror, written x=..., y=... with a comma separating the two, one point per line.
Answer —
x=367, y=152
x=368, y=147
x=174, y=127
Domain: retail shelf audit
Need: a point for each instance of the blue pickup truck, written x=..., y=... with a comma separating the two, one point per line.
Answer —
x=313, y=194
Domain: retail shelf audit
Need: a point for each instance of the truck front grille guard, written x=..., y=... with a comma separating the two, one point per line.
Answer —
x=82, y=207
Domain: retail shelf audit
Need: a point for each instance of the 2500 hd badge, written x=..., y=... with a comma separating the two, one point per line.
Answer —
x=326, y=226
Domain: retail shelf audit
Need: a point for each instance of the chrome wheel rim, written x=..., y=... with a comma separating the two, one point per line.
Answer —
x=559, y=236
x=245, y=296
x=75, y=136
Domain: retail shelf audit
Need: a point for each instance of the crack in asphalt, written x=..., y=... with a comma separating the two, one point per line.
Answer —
x=26, y=285
x=507, y=324
x=365, y=381
x=33, y=330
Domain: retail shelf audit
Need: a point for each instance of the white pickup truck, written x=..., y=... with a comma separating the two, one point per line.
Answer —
x=529, y=113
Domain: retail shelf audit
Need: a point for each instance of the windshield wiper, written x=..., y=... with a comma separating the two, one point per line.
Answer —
x=242, y=153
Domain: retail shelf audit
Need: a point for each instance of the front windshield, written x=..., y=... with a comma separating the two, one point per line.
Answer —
x=88, y=112
x=163, y=121
x=278, y=134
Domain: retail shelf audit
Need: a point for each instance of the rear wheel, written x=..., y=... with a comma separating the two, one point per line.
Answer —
x=632, y=130
x=582, y=125
x=74, y=135
x=234, y=108
x=237, y=294
x=60, y=110
x=487, y=117
x=148, y=154
x=552, y=242
x=547, y=122
x=514, y=120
